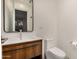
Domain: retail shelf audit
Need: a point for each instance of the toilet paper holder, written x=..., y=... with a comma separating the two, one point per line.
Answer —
x=74, y=43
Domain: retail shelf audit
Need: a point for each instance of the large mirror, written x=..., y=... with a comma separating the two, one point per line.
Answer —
x=18, y=15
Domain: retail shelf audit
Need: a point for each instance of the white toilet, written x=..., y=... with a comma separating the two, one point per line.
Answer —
x=53, y=52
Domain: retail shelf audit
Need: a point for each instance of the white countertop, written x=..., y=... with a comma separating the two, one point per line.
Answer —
x=17, y=40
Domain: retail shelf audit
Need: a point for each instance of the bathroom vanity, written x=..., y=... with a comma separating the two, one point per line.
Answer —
x=18, y=17
x=23, y=50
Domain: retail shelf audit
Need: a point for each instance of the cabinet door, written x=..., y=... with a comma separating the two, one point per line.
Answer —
x=19, y=54
x=7, y=55
x=29, y=52
x=38, y=50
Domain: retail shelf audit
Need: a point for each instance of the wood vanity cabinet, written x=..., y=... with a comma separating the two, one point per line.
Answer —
x=26, y=50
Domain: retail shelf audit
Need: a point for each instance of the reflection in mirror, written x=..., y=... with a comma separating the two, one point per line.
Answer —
x=18, y=15
x=20, y=20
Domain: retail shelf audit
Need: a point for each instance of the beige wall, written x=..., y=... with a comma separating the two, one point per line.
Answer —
x=45, y=12
x=46, y=19
x=67, y=26
x=56, y=20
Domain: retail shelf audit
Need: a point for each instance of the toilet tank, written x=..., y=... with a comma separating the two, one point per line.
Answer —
x=49, y=43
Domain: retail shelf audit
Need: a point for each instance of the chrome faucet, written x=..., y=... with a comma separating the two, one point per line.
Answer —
x=20, y=34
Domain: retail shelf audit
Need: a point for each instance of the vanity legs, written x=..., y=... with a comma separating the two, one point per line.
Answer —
x=38, y=57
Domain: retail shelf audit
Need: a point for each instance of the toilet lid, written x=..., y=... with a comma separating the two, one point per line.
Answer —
x=57, y=52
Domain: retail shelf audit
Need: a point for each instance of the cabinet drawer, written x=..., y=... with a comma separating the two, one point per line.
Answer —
x=7, y=48
x=12, y=47
x=32, y=44
x=18, y=47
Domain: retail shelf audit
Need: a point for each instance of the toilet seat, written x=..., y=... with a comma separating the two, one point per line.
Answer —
x=56, y=51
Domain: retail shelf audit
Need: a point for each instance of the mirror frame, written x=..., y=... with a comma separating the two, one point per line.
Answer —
x=4, y=17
